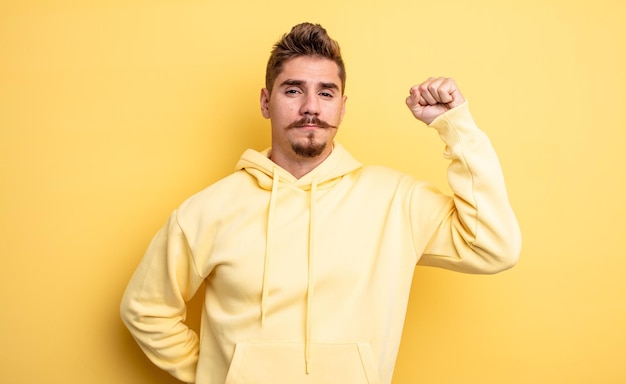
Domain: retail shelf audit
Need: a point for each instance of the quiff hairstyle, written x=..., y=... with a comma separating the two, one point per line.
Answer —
x=305, y=39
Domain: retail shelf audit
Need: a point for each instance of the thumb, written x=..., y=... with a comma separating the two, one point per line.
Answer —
x=412, y=101
x=415, y=104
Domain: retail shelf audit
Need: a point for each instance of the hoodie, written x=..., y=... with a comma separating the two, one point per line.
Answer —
x=307, y=280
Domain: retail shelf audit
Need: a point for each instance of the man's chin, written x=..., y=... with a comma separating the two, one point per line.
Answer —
x=309, y=149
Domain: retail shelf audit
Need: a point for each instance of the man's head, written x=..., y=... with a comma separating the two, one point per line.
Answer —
x=304, y=95
x=305, y=39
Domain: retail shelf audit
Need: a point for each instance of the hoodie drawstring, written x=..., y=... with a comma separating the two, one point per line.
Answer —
x=268, y=242
x=311, y=274
x=310, y=259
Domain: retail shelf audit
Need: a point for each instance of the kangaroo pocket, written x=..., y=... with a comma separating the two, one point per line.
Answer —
x=283, y=363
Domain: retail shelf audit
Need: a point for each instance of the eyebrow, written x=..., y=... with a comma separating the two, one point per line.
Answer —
x=300, y=82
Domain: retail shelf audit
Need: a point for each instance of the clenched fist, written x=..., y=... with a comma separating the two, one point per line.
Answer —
x=433, y=97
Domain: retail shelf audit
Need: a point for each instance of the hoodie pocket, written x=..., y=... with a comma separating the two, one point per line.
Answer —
x=284, y=363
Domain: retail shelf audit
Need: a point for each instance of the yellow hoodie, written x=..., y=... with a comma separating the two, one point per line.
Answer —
x=307, y=280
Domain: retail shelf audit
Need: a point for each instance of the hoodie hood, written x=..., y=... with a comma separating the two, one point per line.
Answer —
x=269, y=177
x=336, y=165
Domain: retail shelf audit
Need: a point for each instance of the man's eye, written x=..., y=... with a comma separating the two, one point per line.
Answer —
x=326, y=94
x=292, y=91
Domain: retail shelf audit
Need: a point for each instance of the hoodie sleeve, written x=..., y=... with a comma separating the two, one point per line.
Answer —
x=154, y=304
x=477, y=232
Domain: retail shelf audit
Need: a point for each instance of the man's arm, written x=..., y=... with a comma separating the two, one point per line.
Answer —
x=154, y=304
x=478, y=232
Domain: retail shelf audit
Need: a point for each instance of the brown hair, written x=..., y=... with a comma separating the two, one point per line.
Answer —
x=305, y=39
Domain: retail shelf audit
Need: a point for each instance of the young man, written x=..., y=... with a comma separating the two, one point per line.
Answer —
x=307, y=256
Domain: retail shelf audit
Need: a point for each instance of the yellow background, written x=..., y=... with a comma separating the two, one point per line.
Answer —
x=113, y=112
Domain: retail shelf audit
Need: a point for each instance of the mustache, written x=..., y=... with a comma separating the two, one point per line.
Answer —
x=310, y=120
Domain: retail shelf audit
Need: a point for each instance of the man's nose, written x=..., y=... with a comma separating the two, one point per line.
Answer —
x=310, y=106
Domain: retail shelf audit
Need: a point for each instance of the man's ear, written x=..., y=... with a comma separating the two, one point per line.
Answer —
x=265, y=103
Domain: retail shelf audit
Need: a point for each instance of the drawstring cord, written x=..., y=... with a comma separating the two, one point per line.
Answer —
x=309, y=299
x=268, y=242
x=311, y=250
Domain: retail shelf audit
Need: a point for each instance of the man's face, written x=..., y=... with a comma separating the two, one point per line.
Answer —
x=306, y=107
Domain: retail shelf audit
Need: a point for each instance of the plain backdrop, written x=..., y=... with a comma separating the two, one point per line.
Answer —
x=113, y=112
